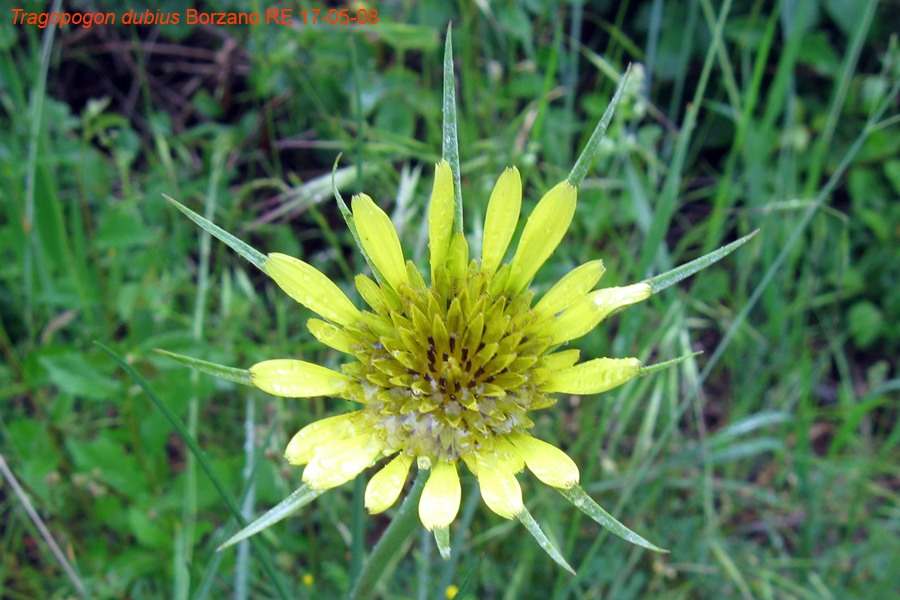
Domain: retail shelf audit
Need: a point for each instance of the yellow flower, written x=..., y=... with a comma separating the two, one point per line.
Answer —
x=448, y=372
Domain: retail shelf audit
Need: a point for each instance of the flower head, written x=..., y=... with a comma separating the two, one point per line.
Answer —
x=448, y=370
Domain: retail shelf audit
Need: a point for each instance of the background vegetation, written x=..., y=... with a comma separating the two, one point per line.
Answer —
x=769, y=465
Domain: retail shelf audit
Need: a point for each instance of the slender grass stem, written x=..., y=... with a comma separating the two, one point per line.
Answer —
x=242, y=560
x=41, y=527
x=723, y=192
x=823, y=143
x=34, y=132
x=206, y=466
x=401, y=527
x=666, y=203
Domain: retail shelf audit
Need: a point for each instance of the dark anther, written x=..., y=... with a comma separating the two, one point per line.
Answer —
x=453, y=397
x=410, y=372
x=452, y=343
x=431, y=342
x=489, y=379
x=465, y=354
x=431, y=357
x=479, y=372
x=442, y=382
x=480, y=347
x=446, y=357
x=468, y=365
x=456, y=386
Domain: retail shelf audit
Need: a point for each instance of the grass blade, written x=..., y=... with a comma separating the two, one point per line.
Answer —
x=37, y=111
x=402, y=525
x=242, y=560
x=41, y=527
x=204, y=463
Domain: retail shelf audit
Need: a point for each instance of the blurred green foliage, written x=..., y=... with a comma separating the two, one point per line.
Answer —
x=777, y=480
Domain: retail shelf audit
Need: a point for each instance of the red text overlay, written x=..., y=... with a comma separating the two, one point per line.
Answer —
x=272, y=16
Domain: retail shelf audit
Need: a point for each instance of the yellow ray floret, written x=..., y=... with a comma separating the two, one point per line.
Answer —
x=499, y=488
x=379, y=239
x=609, y=300
x=585, y=312
x=440, y=215
x=297, y=378
x=331, y=335
x=501, y=219
x=574, y=285
x=337, y=462
x=593, y=376
x=303, y=445
x=548, y=463
x=311, y=288
x=385, y=486
x=543, y=232
x=440, y=497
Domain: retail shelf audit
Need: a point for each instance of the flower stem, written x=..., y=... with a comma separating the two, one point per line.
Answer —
x=403, y=524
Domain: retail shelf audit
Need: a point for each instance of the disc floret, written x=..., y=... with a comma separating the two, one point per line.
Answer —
x=455, y=367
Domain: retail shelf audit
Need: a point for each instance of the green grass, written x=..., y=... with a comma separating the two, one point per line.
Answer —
x=767, y=465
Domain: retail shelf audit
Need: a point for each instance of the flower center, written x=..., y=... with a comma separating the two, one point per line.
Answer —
x=443, y=370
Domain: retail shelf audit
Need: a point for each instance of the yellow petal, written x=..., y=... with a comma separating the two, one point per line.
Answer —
x=501, y=218
x=340, y=461
x=440, y=215
x=385, y=486
x=560, y=360
x=507, y=456
x=304, y=443
x=543, y=231
x=575, y=283
x=311, y=288
x=586, y=312
x=332, y=335
x=593, y=376
x=609, y=300
x=440, y=497
x=578, y=319
x=380, y=299
x=296, y=378
x=500, y=489
x=379, y=239
x=548, y=463
x=458, y=256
